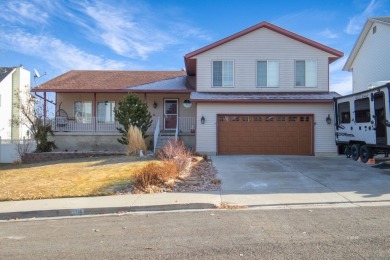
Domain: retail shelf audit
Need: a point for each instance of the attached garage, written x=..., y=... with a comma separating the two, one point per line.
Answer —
x=265, y=134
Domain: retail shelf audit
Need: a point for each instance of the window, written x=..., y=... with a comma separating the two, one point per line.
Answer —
x=374, y=30
x=306, y=73
x=83, y=111
x=344, y=113
x=105, y=112
x=268, y=73
x=362, y=110
x=223, y=73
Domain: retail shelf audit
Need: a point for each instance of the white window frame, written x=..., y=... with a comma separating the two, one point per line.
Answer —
x=267, y=86
x=112, y=114
x=83, y=116
x=295, y=74
x=212, y=74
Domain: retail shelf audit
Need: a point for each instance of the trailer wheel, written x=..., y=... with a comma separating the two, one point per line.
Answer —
x=347, y=151
x=365, y=153
x=355, y=152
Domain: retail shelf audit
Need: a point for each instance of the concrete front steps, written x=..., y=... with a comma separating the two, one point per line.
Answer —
x=163, y=138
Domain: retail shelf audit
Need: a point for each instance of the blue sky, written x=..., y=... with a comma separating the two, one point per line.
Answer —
x=56, y=36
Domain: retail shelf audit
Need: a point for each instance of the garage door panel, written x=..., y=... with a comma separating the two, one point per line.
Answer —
x=265, y=134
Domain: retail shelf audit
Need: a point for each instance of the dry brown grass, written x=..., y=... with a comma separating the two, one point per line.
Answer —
x=155, y=174
x=68, y=178
x=136, y=141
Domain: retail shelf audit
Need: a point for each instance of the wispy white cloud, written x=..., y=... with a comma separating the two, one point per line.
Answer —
x=327, y=33
x=133, y=30
x=341, y=83
x=356, y=23
x=57, y=53
x=23, y=12
x=338, y=65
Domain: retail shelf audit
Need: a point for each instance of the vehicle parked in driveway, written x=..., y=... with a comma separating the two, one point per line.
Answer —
x=362, y=122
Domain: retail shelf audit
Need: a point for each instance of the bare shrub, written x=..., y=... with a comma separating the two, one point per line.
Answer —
x=136, y=141
x=155, y=174
x=175, y=151
x=23, y=146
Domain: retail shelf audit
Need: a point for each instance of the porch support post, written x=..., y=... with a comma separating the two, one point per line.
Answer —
x=94, y=108
x=44, y=108
x=146, y=101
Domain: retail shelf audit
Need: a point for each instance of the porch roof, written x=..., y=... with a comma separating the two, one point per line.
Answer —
x=179, y=84
x=104, y=80
x=326, y=97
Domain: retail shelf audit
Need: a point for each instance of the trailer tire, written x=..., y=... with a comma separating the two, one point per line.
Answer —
x=355, y=152
x=365, y=153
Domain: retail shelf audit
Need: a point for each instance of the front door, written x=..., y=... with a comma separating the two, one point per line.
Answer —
x=170, y=114
x=380, y=118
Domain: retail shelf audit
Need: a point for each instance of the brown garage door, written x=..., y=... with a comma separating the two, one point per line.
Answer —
x=265, y=134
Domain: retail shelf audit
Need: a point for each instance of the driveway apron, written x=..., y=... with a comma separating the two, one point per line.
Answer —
x=256, y=180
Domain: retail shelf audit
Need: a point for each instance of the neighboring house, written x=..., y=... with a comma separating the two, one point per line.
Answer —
x=263, y=90
x=13, y=80
x=370, y=57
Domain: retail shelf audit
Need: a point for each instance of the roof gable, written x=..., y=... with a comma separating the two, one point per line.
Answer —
x=360, y=40
x=190, y=62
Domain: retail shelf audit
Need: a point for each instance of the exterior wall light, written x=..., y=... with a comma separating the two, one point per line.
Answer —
x=187, y=103
x=328, y=120
x=202, y=120
x=154, y=105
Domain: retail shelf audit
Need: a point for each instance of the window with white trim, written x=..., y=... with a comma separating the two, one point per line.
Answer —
x=268, y=73
x=223, y=72
x=306, y=73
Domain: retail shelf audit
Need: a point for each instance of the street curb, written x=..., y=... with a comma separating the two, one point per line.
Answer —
x=101, y=211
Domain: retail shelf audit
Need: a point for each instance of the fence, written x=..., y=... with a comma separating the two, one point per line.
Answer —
x=10, y=149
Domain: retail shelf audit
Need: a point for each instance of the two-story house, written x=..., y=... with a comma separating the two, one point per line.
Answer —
x=264, y=90
x=14, y=81
x=370, y=56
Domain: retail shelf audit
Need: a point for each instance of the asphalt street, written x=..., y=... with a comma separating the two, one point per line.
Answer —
x=309, y=233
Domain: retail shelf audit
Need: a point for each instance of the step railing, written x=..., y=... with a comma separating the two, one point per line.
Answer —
x=156, y=134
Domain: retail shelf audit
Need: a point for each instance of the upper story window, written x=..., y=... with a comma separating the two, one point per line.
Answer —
x=268, y=73
x=374, y=30
x=306, y=73
x=223, y=72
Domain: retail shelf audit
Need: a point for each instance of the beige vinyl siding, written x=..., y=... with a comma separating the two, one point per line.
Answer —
x=262, y=44
x=206, y=135
x=372, y=61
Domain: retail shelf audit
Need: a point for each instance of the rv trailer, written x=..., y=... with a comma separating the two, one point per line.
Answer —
x=362, y=123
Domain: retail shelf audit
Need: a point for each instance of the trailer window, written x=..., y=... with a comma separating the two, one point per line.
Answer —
x=362, y=110
x=344, y=113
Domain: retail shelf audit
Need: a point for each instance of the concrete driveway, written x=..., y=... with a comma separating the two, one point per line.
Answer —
x=289, y=180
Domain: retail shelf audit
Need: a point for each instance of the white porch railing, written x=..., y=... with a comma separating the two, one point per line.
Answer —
x=156, y=133
x=95, y=124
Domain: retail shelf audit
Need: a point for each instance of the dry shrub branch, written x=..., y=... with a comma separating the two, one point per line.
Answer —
x=155, y=175
x=176, y=152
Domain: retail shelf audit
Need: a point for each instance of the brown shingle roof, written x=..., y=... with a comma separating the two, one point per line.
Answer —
x=104, y=80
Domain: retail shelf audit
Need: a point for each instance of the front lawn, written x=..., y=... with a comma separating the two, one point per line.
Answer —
x=68, y=178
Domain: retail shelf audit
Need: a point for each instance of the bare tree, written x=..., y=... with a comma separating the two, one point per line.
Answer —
x=29, y=110
x=23, y=146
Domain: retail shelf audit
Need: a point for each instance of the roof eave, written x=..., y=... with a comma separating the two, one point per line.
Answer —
x=109, y=91
x=357, y=45
x=263, y=100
